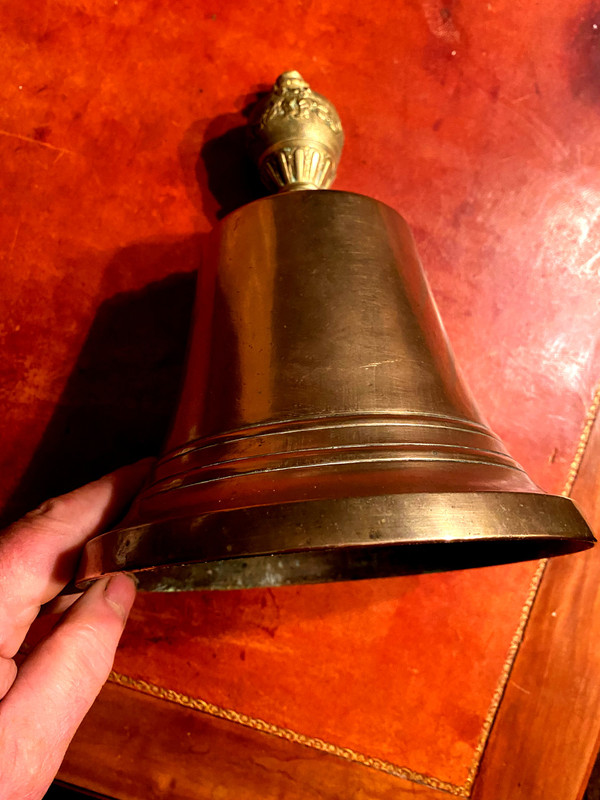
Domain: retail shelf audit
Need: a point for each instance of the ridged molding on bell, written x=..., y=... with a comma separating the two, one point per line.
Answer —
x=296, y=136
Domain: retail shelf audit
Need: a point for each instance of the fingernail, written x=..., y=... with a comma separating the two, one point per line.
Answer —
x=119, y=593
x=143, y=463
x=133, y=577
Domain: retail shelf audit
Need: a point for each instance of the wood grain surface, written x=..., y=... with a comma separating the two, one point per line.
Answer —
x=121, y=136
x=190, y=755
x=542, y=745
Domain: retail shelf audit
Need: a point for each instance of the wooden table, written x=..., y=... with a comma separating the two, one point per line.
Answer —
x=543, y=743
x=121, y=145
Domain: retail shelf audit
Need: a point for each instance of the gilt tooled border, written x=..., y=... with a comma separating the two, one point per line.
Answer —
x=464, y=790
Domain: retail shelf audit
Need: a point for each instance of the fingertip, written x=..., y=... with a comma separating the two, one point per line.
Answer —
x=8, y=673
x=39, y=553
x=139, y=468
x=119, y=593
x=129, y=479
x=147, y=461
x=59, y=680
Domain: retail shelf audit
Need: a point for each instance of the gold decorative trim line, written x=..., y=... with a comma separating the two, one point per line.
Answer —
x=588, y=424
x=504, y=676
x=196, y=703
x=586, y=431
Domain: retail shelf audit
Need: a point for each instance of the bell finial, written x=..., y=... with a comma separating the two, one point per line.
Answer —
x=295, y=136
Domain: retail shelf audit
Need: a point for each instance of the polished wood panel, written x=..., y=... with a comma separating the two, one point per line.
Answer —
x=121, y=147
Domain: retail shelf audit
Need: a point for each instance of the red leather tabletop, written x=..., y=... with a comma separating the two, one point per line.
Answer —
x=121, y=145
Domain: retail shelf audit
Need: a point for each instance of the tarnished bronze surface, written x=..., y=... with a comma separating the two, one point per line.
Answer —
x=322, y=420
x=343, y=539
x=319, y=370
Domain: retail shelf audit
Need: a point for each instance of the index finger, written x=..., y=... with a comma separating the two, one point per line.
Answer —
x=38, y=554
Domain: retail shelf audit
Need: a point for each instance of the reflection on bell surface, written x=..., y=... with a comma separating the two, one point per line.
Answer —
x=323, y=431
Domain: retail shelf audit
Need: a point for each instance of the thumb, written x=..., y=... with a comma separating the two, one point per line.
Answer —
x=56, y=686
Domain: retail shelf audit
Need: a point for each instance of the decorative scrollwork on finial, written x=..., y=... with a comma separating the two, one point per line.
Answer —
x=296, y=136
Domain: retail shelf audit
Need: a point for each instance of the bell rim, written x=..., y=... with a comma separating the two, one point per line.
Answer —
x=338, y=539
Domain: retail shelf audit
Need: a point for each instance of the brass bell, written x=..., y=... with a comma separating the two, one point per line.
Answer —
x=323, y=431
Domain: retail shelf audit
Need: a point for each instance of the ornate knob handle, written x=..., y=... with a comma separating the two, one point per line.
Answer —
x=295, y=136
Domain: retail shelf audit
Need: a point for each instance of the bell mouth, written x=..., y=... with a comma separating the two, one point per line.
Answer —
x=327, y=566
x=338, y=540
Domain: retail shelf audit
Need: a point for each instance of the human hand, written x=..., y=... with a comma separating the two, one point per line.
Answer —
x=43, y=702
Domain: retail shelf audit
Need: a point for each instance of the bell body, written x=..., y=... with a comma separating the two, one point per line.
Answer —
x=323, y=431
